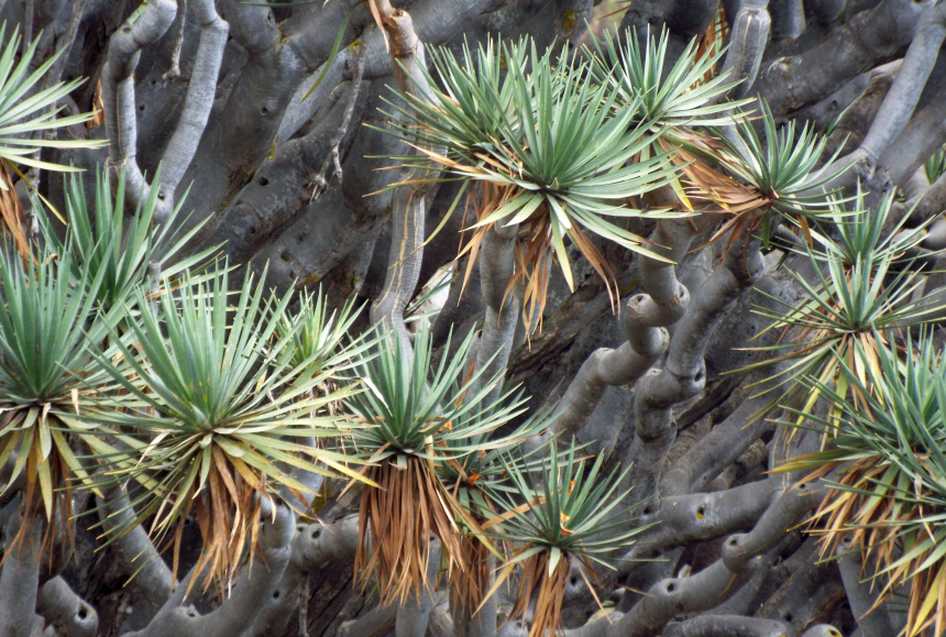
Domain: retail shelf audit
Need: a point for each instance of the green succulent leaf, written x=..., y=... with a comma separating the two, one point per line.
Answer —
x=321, y=336
x=221, y=412
x=667, y=98
x=886, y=468
x=861, y=284
x=26, y=114
x=125, y=249
x=51, y=385
x=936, y=165
x=576, y=507
x=411, y=406
x=785, y=167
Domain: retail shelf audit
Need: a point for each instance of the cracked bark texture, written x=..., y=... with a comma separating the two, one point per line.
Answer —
x=220, y=95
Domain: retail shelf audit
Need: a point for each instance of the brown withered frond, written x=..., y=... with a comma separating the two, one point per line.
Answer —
x=712, y=42
x=546, y=588
x=227, y=513
x=535, y=248
x=865, y=515
x=884, y=468
x=11, y=212
x=742, y=205
x=396, y=526
x=468, y=586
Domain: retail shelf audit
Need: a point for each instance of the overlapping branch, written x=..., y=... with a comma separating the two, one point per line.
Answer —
x=144, y=28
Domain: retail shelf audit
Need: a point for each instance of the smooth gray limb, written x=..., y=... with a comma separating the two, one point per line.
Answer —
x=19, y=580
x=67, y=613
x=861, y=595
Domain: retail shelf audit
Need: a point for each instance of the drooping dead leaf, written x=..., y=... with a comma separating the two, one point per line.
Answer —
x=397, y=522
x=866, y=516
x=98, y=108
x=12, y=212
x=548, y=591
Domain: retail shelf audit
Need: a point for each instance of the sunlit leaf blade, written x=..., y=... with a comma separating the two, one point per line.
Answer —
x=571, y=513
x=29, y=111
x=127, y=249
x=858, y=293
x=423, y=424
x=886, y=472
x=224, y=411
x=547, y=151
x=51, y=386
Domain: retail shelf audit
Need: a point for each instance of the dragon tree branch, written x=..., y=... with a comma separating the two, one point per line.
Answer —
x=410, y=205
x=933, y=201
x=869, y=38
x=67, y=613
x=283, y=187
x=684, y=372
x=826, y=11
x=747, y=41
x=174, y=68
x=671, y=597
x=152, y=580
x=711, y=586
x=872, y=623
x=198, y=103
x=726, y=626
x=682, y=519
x=645, y=320
x=901, y=101
x=256, y=588
x=496, y=263
x=822, y=630
x=923, y=135
x=788, y=19
x=142, y=29
x=19, y=579
x=718, y=448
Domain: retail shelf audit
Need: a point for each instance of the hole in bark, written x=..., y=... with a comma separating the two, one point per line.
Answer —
x=285, y=256
x=316, y=533
x=299, y=528
x=276, y=594
x=192, y=613
x=700, y=512
x=787, y=617
x=262, y=181
x=141, y=108
x=83, y=613
x=802, y=486
x=734, y=541
x=573, y=581
x=698, y=376
x=252, y=229
x=264, y=110
x=648, y=510
x=671, y=587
